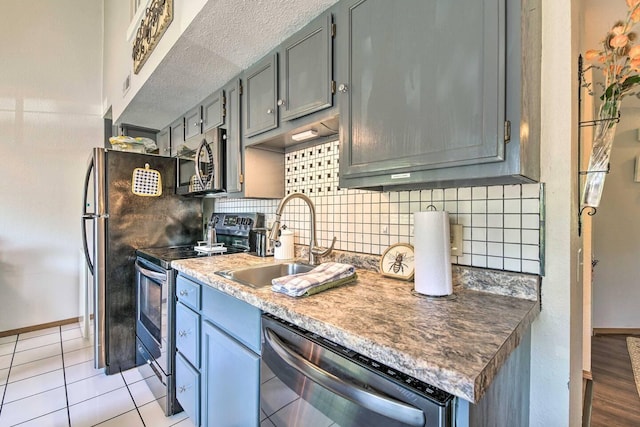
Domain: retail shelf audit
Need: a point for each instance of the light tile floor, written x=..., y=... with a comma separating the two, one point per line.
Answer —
x=47, y=380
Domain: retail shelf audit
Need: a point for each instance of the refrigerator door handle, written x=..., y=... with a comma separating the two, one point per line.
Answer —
x=87, y=216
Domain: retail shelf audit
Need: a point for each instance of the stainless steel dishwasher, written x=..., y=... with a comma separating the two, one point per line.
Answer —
x=308, y=380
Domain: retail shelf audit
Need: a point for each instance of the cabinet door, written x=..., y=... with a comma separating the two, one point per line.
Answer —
x=424, y=85
x=187, y=333
x=213, y=111
x=260, y=90
x=230, y=381
x=163, y=142
x=193, y=123
x=234, y=136
x=188, y=389
x=306, y=70
x=177, y=135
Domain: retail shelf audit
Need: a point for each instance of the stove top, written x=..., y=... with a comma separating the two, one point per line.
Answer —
x=233, y=230
x=164, y=256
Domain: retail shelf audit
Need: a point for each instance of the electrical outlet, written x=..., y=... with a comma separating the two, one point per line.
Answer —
x=456, y=240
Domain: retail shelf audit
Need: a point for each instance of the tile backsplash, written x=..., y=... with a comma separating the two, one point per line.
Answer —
x=502, y=223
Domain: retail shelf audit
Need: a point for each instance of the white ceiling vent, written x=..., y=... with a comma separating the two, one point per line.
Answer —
x=126, y=85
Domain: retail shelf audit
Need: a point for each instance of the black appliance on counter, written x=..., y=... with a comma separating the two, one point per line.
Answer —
x=156, y=296
x=116, y=221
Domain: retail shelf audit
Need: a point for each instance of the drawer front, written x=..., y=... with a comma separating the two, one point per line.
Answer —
x=188, y=292
x=235, y=317
x=188, y=389
x=187, y=334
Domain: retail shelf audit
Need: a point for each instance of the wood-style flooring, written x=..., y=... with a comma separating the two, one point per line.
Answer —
x=615, y=399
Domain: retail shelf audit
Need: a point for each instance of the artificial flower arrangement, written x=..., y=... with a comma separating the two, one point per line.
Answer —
x=619, y=60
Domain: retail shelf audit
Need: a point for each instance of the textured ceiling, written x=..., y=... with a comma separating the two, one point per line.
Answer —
x=226, y=37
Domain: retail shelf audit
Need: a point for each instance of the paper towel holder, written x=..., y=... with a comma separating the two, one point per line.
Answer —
x=397, y=261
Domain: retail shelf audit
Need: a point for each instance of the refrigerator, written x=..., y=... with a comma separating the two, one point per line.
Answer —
x=116, y=220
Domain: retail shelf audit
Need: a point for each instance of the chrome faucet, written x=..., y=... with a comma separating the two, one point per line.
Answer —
x=314, y=249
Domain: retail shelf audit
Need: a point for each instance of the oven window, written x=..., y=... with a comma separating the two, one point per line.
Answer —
x=150, y=303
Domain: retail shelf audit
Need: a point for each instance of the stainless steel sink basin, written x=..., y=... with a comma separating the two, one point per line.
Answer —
x=261, y=275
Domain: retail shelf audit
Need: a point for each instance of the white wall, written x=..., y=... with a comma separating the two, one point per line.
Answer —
x=556, y=366
x=118, y=48
x=616, y=237
x=49, y=118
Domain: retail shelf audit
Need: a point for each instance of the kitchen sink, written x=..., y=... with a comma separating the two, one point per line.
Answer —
x=261, y=275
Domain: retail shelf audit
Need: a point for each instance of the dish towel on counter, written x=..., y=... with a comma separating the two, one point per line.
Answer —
x=325, y=276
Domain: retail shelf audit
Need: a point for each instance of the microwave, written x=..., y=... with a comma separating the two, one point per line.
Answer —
x=200, y=168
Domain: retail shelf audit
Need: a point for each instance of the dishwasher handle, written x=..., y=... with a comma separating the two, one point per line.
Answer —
x=368, y=399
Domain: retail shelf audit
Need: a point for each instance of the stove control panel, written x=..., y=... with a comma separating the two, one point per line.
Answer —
x=237, y=224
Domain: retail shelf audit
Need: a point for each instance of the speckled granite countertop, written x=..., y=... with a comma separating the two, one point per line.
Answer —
x=457, y=345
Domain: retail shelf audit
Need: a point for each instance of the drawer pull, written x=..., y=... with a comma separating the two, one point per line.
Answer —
x=184, y=292
x=183, y=388
x=183, y=333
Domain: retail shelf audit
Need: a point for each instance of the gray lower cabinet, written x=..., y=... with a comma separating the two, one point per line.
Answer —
x=230, y=380
x=422, y=91
x=188, y=347
x=188, y=388
x=217, y=369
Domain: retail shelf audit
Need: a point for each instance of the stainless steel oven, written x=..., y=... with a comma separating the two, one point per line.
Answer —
x=308, y=380
x=154, y=329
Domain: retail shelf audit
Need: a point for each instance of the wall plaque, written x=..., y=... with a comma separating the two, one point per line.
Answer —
x=155, y=22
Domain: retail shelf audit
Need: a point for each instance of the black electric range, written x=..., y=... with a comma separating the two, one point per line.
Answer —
x=233, y=231
x=156, y=296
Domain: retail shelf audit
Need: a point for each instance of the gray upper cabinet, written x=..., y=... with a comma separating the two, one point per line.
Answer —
x=233, y=136
x=193, y=123
x=163, y=142
x=176, y=135
x=422, y=91
x=250, y=172
x=213, y=111
x=306, y=70
x=260, y=92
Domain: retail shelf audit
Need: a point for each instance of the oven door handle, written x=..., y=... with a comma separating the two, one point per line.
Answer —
x=375, y=402
x=160, y=277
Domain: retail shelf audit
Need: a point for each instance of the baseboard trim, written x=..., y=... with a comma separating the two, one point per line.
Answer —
x=38, y=327
x=616, y=331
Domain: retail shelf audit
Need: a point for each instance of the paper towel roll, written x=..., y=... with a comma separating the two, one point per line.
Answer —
x=432, y=253
x=286, y=249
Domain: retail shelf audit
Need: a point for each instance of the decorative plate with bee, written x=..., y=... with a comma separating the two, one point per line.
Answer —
x=398, y=261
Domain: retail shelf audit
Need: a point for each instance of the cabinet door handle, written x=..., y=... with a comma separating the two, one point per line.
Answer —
x=183, y=333
x=269, y=110
x=184, y=293
x=343, y=88
x=183, y=388
x=281, y=102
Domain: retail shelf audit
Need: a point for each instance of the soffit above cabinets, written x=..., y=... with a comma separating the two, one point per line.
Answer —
x=226, y=37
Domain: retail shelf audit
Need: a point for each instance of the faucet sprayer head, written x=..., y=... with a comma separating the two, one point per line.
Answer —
x=274, y=234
